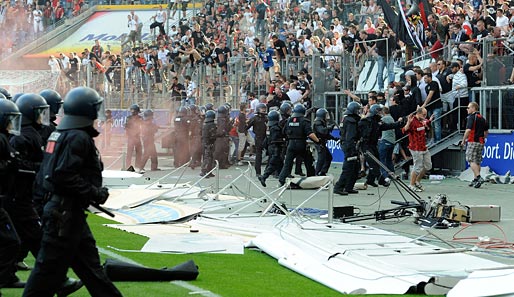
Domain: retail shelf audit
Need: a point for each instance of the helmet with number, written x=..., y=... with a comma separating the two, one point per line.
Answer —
x=194, y=109
x=16, y=96
x=298, y=111
x=82, y=106
x=134, y=109
x=53, y=99
x=5, y=93
x=286, y=108
x=210, y=115
x=273, y=118
x=261, y=109
x=209, y=106
x=10, y=116
x=223, y=110
x=34, y=109
x=374, y=110
x=353, y=108
x=202, y=110
x=321, y=114
x=148, y=114
x=182, y=111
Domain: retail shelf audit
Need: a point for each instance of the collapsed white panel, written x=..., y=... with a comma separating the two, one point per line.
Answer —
x=194, y=243
x=154, y=212
x=127, y=198
x=485, y=283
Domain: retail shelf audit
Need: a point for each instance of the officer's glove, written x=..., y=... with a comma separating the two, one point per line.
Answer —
x=101, y=195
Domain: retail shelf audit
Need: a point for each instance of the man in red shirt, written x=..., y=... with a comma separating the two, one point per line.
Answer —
x=416, y=128
x=475, y=135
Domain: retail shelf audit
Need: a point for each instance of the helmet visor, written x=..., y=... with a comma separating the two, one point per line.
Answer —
x=42, y=115
x=60, y=111
x=14, y=124
x=100, y=111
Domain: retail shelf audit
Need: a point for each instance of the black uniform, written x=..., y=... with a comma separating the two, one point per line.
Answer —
x=149, y=128
x=209, y=131
x=351, y=165
x=299, y=160
x=72, y=173
x=370, y=130
x=181, y=147
x=21, y=209
x=323, y=132
x=275, y=147
x=297, y=129
x=258, y=122
x=195, y=140
x=222, y=144
x=9, y=240
x=133, y=132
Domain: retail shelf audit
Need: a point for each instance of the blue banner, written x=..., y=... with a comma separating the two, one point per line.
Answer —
x=499, y=152
x=119, y=117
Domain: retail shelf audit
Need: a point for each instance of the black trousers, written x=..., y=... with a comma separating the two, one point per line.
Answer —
x=324, y=160
x=348, y=177
x=9, y=247
x=195, y=146
x=296, y=149
x=161, y=27
x=59, y=251
x=221, y=150
x=275, y=162
x=258, y=154
x=208, y=158
x=374, y=168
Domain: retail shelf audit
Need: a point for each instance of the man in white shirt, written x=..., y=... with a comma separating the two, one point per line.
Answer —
x=37, y=20
x=253, y=101
x=65, y=61
x=294, y=94
x=159, y=19
x=131, y=37
x=139, y=25
x=190, y=90
x=163, y=60
x=502, y=22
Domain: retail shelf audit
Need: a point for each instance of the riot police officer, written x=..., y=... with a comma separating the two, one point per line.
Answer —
x=10, y=123
x=297, y=130
x=275, y=144
x=29, y=147
x=149, y=129
x=209, y=131
x=72, y=176
x=195, y=136
x=323, y=129
x=6, y=94
x=222, y=146
x=54, y=100
x=370, y=130
x=285, y=113
x=133, y=132
x=349, y=138
x=181, y=146
x=258, y=122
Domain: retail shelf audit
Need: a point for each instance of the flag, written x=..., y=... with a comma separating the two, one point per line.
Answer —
x=424, y=10
x=406, y=31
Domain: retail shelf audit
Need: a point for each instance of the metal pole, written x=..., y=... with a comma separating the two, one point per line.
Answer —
x=331, y=202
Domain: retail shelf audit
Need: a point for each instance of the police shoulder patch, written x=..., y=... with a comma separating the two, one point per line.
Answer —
x=50, y=146
x=54, y=136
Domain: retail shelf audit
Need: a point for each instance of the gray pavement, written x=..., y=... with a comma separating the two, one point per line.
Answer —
x=374, y=199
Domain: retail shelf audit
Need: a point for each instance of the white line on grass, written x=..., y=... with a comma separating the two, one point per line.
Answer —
x=194, y=289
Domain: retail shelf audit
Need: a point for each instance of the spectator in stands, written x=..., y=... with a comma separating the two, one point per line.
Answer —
x=433, y=105
x=260, y=17
x=159, y=19
x=441, y=30
x=473, y=71
x=48, y=13
x=59, y=12
x=54, y=65
x=74, y=67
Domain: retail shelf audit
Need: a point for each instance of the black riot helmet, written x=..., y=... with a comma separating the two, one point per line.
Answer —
x=182, y=111
x=273, y=118
x=223, y=110
x=16, y=96
x=10, y=116
x=209, y=106
x=298, y=111
x=82, y=106
x=194, y=109
x=148, y=114
x=374, y=110
x=353, y=108
x=134, y=109
x=5, y=93
x=53, y=99
x=34, y=109
x=202, y=110
x=261, y=108
x=322, y=114
x=286, y=108
x=210, y=115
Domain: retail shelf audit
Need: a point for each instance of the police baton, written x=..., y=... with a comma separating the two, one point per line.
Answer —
x=100, y=208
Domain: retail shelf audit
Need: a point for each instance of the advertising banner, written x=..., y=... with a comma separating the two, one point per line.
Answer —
x=499, y=152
